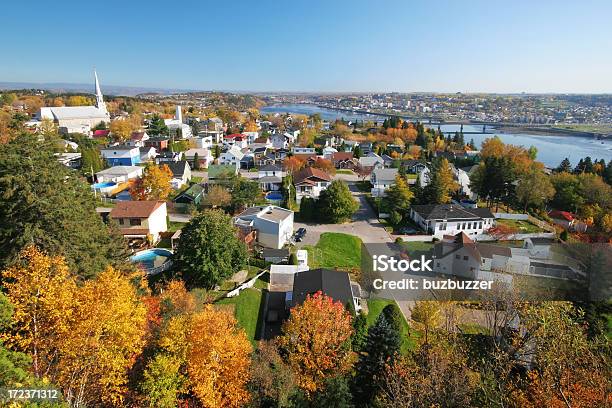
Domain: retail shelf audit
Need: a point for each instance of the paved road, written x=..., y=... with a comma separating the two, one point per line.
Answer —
x=364, y=224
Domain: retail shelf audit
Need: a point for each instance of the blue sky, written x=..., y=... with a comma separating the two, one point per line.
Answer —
x=333, y=45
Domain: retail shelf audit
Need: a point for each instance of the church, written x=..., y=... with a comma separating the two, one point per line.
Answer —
x=78, y=119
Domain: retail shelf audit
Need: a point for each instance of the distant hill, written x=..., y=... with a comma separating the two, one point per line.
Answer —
x=61, y=87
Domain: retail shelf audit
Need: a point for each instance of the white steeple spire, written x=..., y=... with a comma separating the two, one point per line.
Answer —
x=99, y=99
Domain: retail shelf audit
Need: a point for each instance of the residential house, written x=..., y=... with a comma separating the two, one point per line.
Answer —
x=213, y=136
x=371, y=161
x=190, y=197
x=274, y=225
x=343, y=160
x=335, y=284
x=221, y=171
x=308, y=158
x=168, y=157
x=138, y=139
x=303, y=150
x=177, y=126
x=237, y=139
x=181, y=173
x=459, y=175
x=141, y=219
x=279, y=141
x=160, y=143
x=563, y=219
x=203, y=142
x=147, y=154
x=248, y=161
x=309, y=182
x=451, y=219
x=381, y=180
x=387, y=160
x=232, y=156
x=72, y=160
x=366, y=148
x=121, y=155
x=119, y=174
x=101, y=133
x=251, y=137
x=328, y=152
x=271, y=177
x=275, y=256
x=460, y=255
x=205, y=157
x=413, y=166
x=349, y=145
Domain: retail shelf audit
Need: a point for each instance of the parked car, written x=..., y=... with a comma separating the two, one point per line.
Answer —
x=407, y=231
x=299, y=234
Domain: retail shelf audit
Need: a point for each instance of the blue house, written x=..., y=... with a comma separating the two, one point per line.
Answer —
x=121, y=155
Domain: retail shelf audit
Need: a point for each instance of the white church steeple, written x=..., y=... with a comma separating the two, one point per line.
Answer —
x=99, y=99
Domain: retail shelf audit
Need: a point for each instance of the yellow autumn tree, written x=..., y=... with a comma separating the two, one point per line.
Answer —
x=83, y=339
x=218, y=359
x=122, y=129
x=315, y=339
x=154, y=184
x=42, y=291
x=107, y=335
x=79, y=100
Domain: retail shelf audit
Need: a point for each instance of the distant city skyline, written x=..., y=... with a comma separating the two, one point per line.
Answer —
x=312, y=46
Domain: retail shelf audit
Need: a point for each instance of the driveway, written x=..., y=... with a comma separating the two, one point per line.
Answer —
x=364, y=224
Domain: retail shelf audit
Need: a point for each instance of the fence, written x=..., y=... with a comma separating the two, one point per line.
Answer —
x=246, y=285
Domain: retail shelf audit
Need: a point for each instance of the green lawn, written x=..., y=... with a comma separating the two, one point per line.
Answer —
x=364, y=186
x=411, y=176
x=335, y=250
x=418, y=248
x=409, y=337
x=174, y=226
x=523, y=227
x=344, y=171
x=246, y=309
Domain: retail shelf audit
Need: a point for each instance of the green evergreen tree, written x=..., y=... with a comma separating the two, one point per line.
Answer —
x=157, y=127
x=565, y=166
x=394, y=316
x=381, y=349
x=360, y=332
x=46, y=204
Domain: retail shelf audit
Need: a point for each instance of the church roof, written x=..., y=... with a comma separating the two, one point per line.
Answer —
x=72, y=112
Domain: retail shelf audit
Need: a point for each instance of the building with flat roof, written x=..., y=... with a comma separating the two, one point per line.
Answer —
x=274, y=225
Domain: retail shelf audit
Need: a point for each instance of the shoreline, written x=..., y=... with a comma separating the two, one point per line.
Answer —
x=498, y=126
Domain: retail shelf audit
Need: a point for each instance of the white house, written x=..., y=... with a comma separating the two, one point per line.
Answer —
x=279, y=141
x=381, y=180
x=303, y=150
x=203, y=142
x=309, y=182
x=121, y=155
x=237, y=139
x=461, y=176
x=181, y=173
x=451, y=219
x=138, y=139
x=119, y=174
x=141, y=219
x=372, y=160
x=328, y=152
x=232, y=156
x=251, y=136
x=274, y=225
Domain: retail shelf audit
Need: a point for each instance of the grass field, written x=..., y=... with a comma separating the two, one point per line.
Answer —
x=335, y=250
x=409, y=337
x=523, y=227
x=344, y=171
x=246, y=308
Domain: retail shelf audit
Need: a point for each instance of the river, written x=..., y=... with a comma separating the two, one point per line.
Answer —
x=551, y=148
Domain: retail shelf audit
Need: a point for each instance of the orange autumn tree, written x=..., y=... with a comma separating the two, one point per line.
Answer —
x=218, y=359
x=293, y=164
x=325, y=165
x=83, y=339
x=315, y=338
x=154, y=184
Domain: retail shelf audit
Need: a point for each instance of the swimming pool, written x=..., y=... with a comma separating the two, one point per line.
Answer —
x=153, y=260
x=274, y=196
x=104, y=185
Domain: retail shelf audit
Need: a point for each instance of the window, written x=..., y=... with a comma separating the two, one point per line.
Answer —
x=457, y=257
x=120, y=221
x=480, y=225
x=134, y=221
x=469, y=225
x=438, y=264
x=465, y=258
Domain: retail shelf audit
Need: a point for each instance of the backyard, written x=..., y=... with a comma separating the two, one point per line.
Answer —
x=409, y=336
x=335, y=250
x=522, y=226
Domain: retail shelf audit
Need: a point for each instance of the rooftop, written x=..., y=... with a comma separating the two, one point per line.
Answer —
x=135, y=209
x=335, y=284
x=450, y=212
